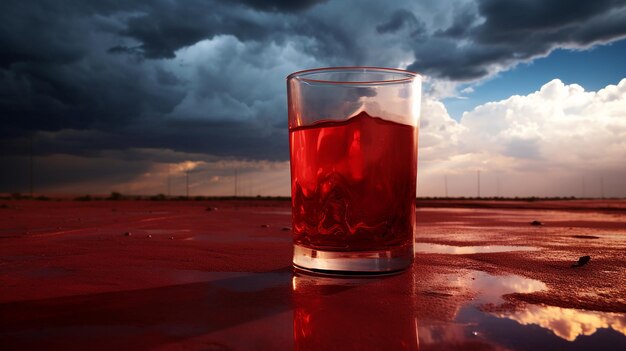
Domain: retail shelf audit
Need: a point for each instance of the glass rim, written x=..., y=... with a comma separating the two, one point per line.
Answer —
x=405, y=75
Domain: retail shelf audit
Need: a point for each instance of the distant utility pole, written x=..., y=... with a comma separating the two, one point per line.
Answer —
x=244, y=186
x=602, y=186
x=583, y=187
x=187, y=180
x=235, y=182
x=169, y=179
x=445, y=182
x=498, y=186
x=32, y=167
x=478, y=182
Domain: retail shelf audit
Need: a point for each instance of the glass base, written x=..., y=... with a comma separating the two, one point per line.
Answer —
x=360, y=262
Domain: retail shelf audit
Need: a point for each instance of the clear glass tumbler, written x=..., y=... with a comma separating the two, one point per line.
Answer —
x=353, y=146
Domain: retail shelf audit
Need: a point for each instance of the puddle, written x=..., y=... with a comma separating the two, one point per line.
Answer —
x=490, y=288
x=536, y=327
x=530, y=327
x=324, y=306
x=235, y=281
x=567, y=323
x=464, y=250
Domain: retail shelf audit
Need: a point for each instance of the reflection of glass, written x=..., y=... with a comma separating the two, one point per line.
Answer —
x=353, y=145
x=355, y=314
x=567, y=323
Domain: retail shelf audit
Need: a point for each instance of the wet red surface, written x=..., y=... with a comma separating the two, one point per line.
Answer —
x=191, y=279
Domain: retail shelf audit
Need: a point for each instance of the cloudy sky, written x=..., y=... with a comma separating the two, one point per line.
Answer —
x=117, y=95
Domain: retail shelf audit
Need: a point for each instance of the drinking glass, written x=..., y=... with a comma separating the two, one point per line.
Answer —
x=353, y=149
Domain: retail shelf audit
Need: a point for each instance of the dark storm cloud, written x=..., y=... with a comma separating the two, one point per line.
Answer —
x=56, y=76
x=498, y=34
x=399, y=19
x=59, y=71
x=207, y=77
x=463, y=20
x=168, y=26
x=537, y=25
x=281, y=5
x=524, y=16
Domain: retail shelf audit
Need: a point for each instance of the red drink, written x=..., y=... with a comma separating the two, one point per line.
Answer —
x=353, y=178
x=353, y=184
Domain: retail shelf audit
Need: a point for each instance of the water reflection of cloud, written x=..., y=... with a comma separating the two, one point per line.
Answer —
x=491, y=288
x=567, y=323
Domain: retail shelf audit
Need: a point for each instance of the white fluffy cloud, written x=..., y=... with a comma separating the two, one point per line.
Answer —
x=560, y=132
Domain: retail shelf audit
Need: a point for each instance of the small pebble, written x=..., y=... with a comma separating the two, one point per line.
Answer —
x=582, y=260
x=265, y=225
x=128, y=234
x=475, y=333
x=211, y=209
x=536, y=223
x=149, y=235
x=171, y=238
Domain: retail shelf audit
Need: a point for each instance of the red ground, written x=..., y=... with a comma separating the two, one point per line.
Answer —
x=71, y=279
